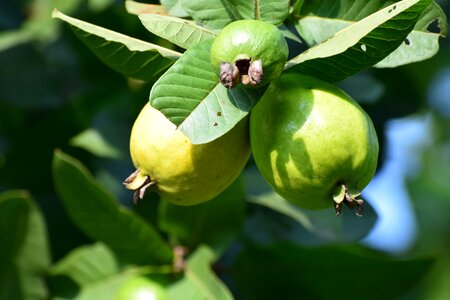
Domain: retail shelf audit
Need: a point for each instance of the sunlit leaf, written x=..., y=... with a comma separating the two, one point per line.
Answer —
x=190, y=96
x=199, y=281
x=362, y=44
x=270, y=11
x=129, y=56
x=215, y=14
x=178, y=31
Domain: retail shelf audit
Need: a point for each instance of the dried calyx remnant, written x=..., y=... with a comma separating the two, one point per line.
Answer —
x=245, y=71
x=343, y=195
x=139, y=184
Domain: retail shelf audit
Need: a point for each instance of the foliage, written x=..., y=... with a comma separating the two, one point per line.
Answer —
x=68, y=229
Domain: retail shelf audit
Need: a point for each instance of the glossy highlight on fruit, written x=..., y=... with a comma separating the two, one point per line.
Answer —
x=181, y=172
x=252, y=52
x=141, y=288
x=312, y=143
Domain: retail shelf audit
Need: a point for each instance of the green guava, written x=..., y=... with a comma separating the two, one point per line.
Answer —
x=141, y=288
x=312, y=143
x=181, y=172
x=249, y=51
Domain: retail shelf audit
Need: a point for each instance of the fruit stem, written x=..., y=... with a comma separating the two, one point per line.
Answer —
x=343, y=196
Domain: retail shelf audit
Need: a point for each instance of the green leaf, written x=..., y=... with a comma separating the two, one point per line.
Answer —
x=419, y=45
x=138, y=8
x=199, y=281
x=433, y=13
x=321, y=226
x=331, y=272
x=98, y=215
x=214, y=14
x=190, y=96
x=24, y=249
x=178, y=31
x=174, y=8
x=126, y=55
x=87, y=264
x=92, y=141
x=215, y=223
x=362, y=44
x=270, y=11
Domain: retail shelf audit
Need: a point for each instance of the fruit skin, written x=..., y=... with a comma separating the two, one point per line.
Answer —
x=141, y=288
x=308, y=137
x=184, y=173
x=255, y=40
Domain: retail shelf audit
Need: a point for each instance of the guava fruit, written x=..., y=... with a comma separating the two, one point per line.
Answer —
x=252, y=52
x=141, y=288
x=312, y=143
x=181, y=172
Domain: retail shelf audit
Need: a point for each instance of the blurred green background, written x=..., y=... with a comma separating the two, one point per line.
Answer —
x=55, y=94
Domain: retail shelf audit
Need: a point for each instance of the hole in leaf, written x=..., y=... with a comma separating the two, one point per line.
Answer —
x=363, y=47
x=434, y=27
x=215, y=124
x=407, y=42
x=219, y=114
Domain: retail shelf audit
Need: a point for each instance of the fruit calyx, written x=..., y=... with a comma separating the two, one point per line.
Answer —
x=138, y=183
x=343, y=195
x=245, y=71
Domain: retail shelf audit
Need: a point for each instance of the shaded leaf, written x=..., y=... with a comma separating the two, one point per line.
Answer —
x=270, y=11
x=199, y=281
x=24, y=249
x=215, y=223
x=98, y=215
x=190, y=96
x=330, y=272
x=87, y=264
x=362, y=44
x=214, y=14
x=178, y=31
x=126, y=55
x=320, y=226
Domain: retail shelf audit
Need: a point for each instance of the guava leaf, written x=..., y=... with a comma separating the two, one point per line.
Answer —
x=318, y=226
x=174, y=8
x=138, y=8
x=330, y=272
x=214, y=14
x=215, y=223
x=270, y=11
x=24, y=248
x=129, y=56
x=362, y=44
x=99, y=216
x=420, y=44
x=92, y=141
x=190, y=96
x=199, y=281
x=178, y=31
x=87, y=264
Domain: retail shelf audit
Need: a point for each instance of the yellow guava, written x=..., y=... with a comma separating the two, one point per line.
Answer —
x=181, y=172
x=312, y=143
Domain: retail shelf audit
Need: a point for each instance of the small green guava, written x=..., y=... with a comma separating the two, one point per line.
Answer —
x=141, y=288
x=181, y=172
x=252, y=52
x=312, y=143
